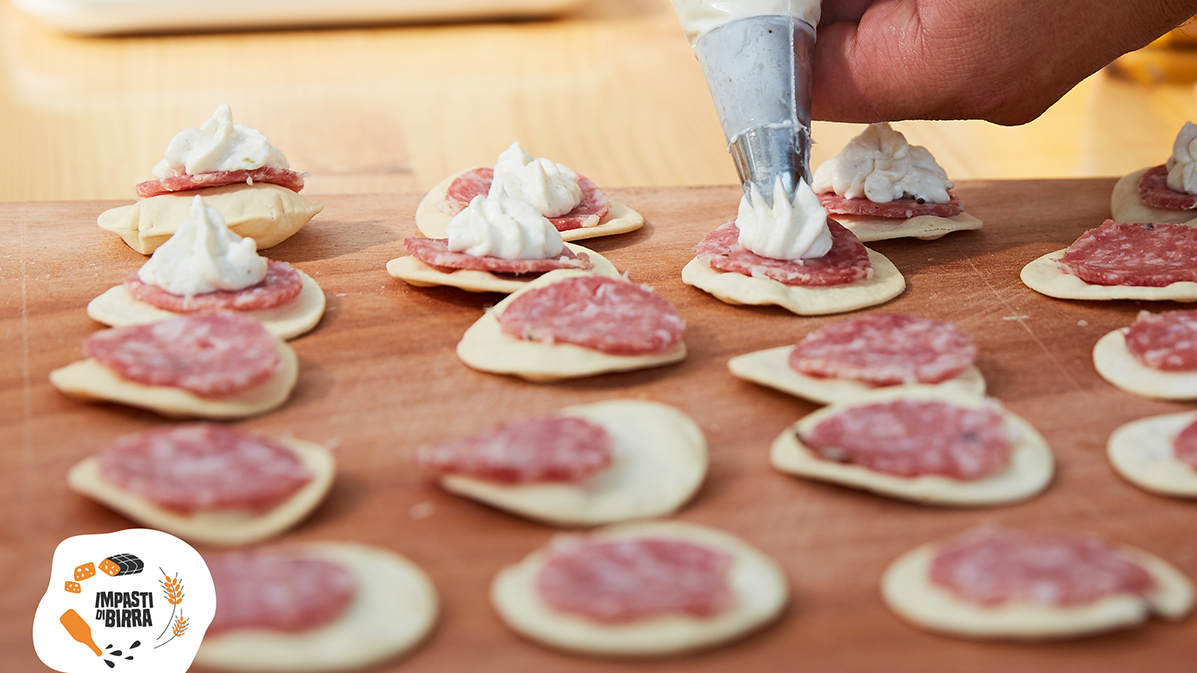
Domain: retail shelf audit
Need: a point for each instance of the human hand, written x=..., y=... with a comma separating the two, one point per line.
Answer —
x=1004, y=61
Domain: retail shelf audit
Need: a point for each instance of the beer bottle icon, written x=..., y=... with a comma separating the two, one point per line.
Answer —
x=79, y=630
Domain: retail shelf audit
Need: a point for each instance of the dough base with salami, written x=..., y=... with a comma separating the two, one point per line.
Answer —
x=431, y=220
x=908, y=591
x=771, y=367
x=758, y=583
x=1045, y=277
x=923, y=227
x=1126, y=206
x=1142, y=452
x=393, y=609
x=1029, y=470
x=223, y=527
x=659, y=459
x=415, y=272
x=1116, y=364
x=90, y=381
x=736, y=288
x=486, y=347
x=267, y=213
x=117, y=308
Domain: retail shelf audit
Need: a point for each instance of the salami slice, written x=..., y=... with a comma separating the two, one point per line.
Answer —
x=1141, y=255
x=993, y=566
x=1166, y=341
x=1184, y=447
x=1155, y=192
x=278, y=288
x=913, y=438
x=846, y=262
x=588, y=213
x=210, y=354
x=435, y=252
x=183, y=183
x=203, y=467
x=609, y=315
x=627, y=580
x=551, y=449
x=278, y=590
x=885, y=349
x=898, y=209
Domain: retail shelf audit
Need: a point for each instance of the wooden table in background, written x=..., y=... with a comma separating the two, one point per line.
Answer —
x=611, y=90
x=379, y=378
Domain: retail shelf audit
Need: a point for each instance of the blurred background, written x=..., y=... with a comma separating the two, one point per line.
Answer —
x=608, y=87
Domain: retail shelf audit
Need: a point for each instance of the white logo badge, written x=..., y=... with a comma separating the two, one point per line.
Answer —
x=131, y=601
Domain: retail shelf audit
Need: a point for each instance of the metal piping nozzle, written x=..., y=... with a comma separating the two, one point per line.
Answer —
x=758, y=70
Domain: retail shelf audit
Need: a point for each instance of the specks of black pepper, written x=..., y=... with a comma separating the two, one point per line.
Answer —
x=109, y=664
x=920, y=201
x=1150, y=225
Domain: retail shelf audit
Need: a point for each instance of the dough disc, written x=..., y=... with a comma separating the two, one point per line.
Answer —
x=659, y=459
x=771, y=367
x=1115, y=364
x=924, y=227
x=416, y=272
x=487, y=348
x=267, y=213
x=118, y=308
x=1142, y=452
x=90, y=381
x=431, y=220
x=908, y=591
x=758, y=582
x=219, y=527
x=1029, y=471
x=736, y=288
x=1045, y=277
x=1126, y=206
x=394, y=608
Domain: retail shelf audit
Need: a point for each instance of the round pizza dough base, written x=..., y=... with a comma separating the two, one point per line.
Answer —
x=1115, y=364
x=416, y=272
x=88, y=380
x=486, y=347
x=907, y=589
x=394, y=608
x=1045, y=277
x=215, y=527
x=432, y=221
x=1029, y=471
x=1126, y=206
x=736, y=288
x=1142, y=452
x=923, y=227
x=771, y=367
x=267, y=213
x=758, y=582
x=658, y=461
x=118, y=308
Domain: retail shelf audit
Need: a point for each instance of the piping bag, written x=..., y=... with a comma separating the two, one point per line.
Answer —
x=756, y=56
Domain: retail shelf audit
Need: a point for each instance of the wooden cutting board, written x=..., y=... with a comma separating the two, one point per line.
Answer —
x=379, y=378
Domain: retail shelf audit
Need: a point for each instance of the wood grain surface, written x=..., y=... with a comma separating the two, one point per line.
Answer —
x=379, y=378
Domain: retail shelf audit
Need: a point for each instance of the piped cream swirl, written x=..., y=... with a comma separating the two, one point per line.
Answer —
x=204, y=256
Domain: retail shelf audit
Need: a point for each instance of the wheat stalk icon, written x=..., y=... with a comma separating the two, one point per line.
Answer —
x=172, y=589
x=180, y=627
